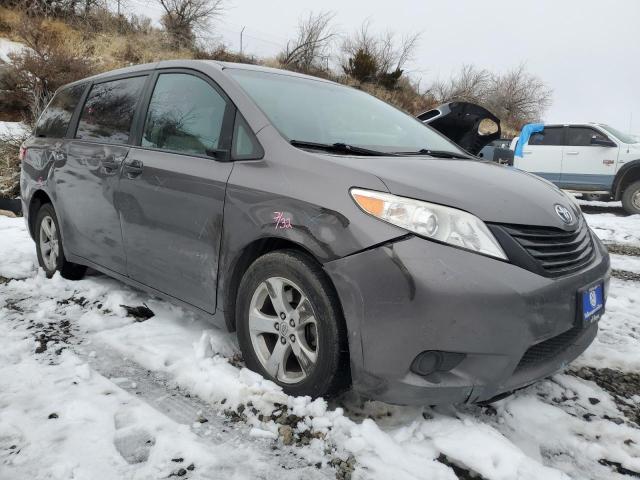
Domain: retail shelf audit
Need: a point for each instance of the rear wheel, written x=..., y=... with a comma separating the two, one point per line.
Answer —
x=631, y=198
x=290, y=325
x=49, y=246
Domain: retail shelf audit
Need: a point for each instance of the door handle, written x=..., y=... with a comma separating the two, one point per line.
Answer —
x=527, y=152
x=572, y=152
x=133, y=168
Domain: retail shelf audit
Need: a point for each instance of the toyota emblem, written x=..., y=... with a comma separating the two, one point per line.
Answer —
x=564, y=214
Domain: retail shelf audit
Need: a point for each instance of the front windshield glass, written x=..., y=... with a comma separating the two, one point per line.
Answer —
x=307, y=110
x=623, y=137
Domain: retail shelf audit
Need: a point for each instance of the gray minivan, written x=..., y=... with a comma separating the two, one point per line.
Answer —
x=344, y=241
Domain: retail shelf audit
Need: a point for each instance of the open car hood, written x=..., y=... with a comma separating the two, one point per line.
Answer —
x=460, y=122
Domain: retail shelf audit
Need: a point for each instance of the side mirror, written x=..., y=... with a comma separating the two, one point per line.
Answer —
x=602, y=142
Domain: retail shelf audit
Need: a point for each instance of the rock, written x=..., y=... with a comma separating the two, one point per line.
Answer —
x=53, y=415
x=286, y=432
x=593, y=401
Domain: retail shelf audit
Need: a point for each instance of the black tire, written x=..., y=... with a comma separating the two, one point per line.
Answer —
x=631, y=198
x=330, y=374
x=70, y=271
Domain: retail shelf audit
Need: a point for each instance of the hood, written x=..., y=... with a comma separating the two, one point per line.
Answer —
x=460, y=123
x=492, y=192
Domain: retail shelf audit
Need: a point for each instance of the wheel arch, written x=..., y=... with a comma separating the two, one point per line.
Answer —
x=250, y=253
x=628, y=174
x=38, y=198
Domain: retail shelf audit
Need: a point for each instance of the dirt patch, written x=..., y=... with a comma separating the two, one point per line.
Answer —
x=623, y=249
x=625, y=275
x=622, y=386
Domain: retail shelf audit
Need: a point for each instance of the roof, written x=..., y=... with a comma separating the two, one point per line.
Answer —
x=189, y=63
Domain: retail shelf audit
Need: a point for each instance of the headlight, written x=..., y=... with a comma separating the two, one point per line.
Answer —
x=429, y=220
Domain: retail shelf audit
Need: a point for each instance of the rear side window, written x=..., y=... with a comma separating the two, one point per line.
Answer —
x=109, y=109
x=185, y=115
x=55, y=119
x=581, y=136
x=549, y=136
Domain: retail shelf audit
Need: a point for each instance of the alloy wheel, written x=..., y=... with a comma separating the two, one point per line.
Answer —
x=49, y=243
x=283, y=330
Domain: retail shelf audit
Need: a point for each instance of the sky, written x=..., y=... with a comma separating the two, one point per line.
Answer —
x=587, y=52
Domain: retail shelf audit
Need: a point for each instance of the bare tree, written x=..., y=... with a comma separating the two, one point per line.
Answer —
x=184, y=18
x=470, y=84
x=311, y=47
x=518, y=97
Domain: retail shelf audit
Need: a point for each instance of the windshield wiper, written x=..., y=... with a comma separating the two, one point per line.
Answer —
x=438, y=154
x=340, y=148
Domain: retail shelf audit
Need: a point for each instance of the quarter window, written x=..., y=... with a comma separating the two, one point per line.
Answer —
x=245, y=145
x=548, y=136
x=54, y=121
x=185, y=115
x=581, y=136
x=108, y=112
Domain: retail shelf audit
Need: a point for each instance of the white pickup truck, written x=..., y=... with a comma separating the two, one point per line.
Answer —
x=591, y=158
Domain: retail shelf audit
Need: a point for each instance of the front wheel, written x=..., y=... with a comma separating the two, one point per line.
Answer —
x=49, y=246
x=631, y=198
x=290, y=325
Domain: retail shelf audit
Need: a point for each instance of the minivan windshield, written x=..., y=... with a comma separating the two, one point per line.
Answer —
x=313, y=111
x=623, y=137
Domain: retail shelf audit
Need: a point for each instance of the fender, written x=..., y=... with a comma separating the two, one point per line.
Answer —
x=269, y=205
x=623, y=174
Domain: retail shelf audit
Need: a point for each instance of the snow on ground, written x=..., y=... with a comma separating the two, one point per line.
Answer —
x=611, y=228
x=7, y=47
x=625, y=262
x=563, y=427
x=12, y=128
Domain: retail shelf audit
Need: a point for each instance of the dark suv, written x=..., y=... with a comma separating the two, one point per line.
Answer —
x=345, y=242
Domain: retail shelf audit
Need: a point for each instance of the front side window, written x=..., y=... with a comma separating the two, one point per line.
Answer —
x=309, y=110
x=581, y=136
x=108, y=112
x=620, y=135
x=185, y=115
x=54, y=121
x=548, y=136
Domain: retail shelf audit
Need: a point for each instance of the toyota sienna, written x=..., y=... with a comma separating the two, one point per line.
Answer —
x=344, y=241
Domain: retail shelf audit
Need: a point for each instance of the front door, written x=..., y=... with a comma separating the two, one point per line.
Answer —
x=172, y=189
x=89, y=180
x=542, y=155
x=586, y=166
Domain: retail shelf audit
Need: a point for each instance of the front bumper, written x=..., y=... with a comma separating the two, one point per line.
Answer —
x=414, y=295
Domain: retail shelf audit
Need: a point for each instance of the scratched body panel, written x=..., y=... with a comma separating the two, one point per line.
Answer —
x=172, y=222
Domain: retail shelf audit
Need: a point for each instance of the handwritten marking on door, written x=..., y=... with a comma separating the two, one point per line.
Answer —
x=281, y=221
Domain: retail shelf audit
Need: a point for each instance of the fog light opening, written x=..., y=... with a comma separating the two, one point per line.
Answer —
x=432, y=361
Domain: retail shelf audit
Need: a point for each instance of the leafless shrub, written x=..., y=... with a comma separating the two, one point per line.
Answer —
x=518, y=97
x=47, y=63
x=381, y=58
x=9, y=163
x=183, y=19
x=470, y=84
x=311, y=48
